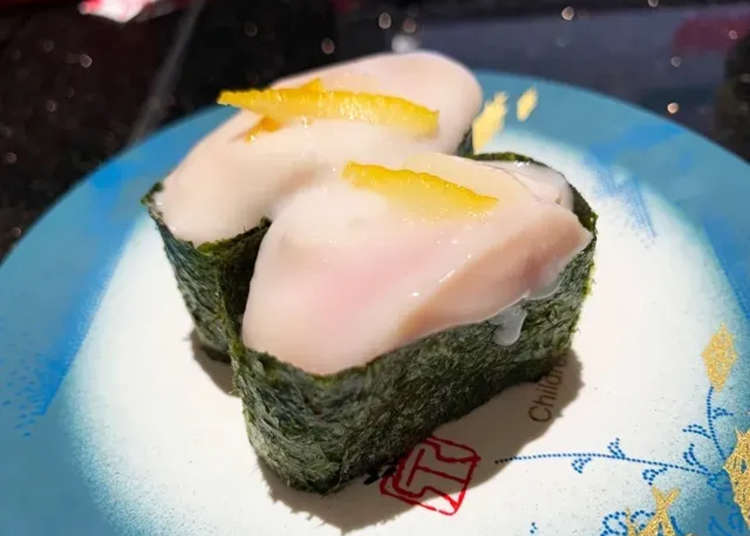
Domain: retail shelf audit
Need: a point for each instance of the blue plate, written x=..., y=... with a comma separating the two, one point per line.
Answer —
x=93, y=441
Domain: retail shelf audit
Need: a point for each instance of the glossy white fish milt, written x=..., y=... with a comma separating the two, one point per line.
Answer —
x=345, y=274
x=227, y=184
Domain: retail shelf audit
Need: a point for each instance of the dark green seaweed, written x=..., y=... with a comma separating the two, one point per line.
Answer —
x=213, y=278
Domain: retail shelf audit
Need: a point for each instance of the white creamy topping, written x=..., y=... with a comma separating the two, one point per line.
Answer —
x=545, y=182
x=509, y=324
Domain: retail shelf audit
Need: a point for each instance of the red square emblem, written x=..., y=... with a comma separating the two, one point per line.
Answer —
x=434, y=475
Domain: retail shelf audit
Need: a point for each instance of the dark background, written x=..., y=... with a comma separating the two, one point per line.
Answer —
x=76, y=89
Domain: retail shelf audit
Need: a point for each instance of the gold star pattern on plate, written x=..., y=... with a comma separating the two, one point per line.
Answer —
x=737, y=467
x=526, y=104
x=660, y=524
x=719, y=357
x=489, y=122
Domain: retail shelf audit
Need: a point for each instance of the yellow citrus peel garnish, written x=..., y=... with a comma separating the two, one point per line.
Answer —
x=315, y=84
x=266, y=124
x=285, y=104
x=423, y=193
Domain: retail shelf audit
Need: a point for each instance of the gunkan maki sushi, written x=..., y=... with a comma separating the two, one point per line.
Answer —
x=369, y=294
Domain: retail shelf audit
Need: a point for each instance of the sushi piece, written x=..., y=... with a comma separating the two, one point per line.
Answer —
x=366, y=285
x=394, y=300
x=215, y=207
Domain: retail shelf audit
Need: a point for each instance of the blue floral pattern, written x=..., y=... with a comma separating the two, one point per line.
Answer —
x=709, y=466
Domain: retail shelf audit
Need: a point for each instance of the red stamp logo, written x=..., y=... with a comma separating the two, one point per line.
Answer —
x=434, y=475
